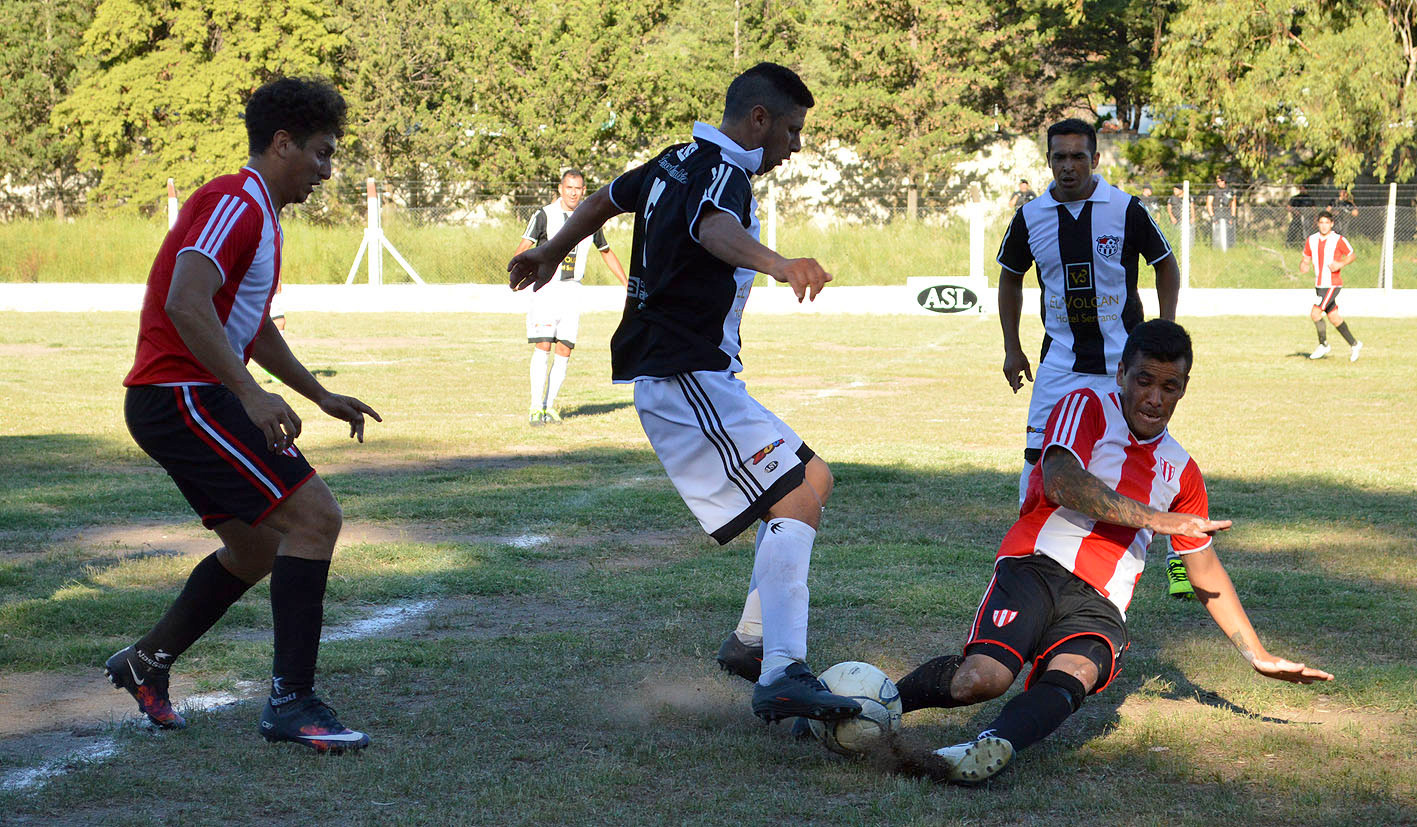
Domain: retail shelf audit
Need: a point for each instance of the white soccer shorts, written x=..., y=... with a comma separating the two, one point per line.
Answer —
x=555, y=313
x=1051, y=384
x=730, y=458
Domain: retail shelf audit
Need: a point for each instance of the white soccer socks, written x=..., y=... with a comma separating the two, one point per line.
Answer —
x=780, y=570
x=558, y=375
x=538, y=378
x=1023, y=482
x=750, y=623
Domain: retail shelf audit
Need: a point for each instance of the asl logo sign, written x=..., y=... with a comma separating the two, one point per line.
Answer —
x=947, y=298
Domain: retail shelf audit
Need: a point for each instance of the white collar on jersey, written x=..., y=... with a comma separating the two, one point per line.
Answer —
x=1102, y=193
x=751, y=160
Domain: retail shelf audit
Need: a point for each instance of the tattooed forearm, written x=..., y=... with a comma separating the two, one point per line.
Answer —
x=1070, y=485
x=1239, y=640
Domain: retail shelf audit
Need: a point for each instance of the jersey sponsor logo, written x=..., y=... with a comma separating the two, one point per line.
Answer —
x=1003, y=617
x=760, y=455
x=1077, y=276
x=770, y=467
x=947, y=298
x=1109, y=246
x=1168, y=471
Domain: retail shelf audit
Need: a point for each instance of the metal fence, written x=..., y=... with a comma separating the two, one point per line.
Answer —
x=1248, y=235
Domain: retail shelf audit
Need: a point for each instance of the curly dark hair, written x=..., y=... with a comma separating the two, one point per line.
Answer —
x=300, y=106
x=1160, y=339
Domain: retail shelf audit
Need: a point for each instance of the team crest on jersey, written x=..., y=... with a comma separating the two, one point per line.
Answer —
x=1078, y=276
x=758, y=457
x=1168, y=471
x=1108, y=245
x=1003, y=617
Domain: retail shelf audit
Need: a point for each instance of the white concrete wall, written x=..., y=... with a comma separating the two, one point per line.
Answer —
x=490, y=298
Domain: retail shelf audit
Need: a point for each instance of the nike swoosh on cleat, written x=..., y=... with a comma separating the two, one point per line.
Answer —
x=136, y=679
x=339, y=737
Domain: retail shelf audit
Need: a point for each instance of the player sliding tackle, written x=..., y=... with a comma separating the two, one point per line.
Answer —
x=695, y=254
x=1111, y=476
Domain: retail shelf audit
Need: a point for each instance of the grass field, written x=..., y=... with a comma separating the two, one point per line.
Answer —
x=121, y=249
x=564, y=673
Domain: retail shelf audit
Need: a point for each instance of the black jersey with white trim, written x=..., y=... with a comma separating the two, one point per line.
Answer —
x=683, y=306
x=1086, y=256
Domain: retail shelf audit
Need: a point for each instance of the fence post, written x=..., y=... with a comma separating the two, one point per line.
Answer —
x=1186, y=235
x=975, y=211
x=171, y=204
x=1386, y=274
x=772, y=219
x=375, y=233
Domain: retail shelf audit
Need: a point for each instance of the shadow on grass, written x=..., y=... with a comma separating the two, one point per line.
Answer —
x=596, y=408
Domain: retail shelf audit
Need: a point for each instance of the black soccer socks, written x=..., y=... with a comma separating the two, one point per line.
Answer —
x=209, y=592
x=298, y=611
x=1032, y=715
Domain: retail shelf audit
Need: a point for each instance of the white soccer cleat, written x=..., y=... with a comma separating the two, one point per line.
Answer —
x=1320, y=352
x=1353, y=353
x=975, y=762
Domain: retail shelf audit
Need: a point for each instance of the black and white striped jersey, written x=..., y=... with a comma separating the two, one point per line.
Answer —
x=683, y=306
x=546, y=222
x=1086, y=256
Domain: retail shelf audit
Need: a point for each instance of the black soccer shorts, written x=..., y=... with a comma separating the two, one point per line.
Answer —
x=1327, y=298
x=1035, y=609
x=203, y=439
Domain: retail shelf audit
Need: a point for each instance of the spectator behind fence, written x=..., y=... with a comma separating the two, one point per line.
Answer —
x=1148, y=200
x=1221, y=210
x=1344, y=212
x=1301, y=209
x=1176, y=203
x=555, y=311
x=1023, y=195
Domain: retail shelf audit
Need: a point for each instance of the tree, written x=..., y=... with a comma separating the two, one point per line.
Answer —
x=1328, y=83
x=170, y=81
x=38, y=66
x=917, y=83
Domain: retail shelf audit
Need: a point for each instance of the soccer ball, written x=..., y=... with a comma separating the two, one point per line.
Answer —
x=880, y=707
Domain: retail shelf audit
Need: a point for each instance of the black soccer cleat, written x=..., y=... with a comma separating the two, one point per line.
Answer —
x=799, y=693
x=740, y=659
x=309, y=721
x=147, y=686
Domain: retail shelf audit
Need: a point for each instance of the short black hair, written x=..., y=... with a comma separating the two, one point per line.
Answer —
x=300, y=106
x=776, y=88
x=1023, y=180
x=1159, y=339
x=1324, y=214
x=1073, y=126
x=572, y=172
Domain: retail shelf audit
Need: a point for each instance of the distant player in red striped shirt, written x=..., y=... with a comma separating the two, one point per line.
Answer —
x=229, y=445
x=1326, y=253
x=1110, y=477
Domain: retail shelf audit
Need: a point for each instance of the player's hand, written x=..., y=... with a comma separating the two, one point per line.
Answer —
x=1179, y=524
x=805, y=275
x=531, y=268
x=274, y=416
x=351, y=410
x=1016, y=368
x=1286, y=670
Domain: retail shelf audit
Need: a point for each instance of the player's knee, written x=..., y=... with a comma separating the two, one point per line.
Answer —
x=820, y=477
x=1068, y=685
x=980, y=679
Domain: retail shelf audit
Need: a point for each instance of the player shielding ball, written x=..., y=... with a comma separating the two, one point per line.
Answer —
x=1111, y=477
x=695, y=255
x=229, y=445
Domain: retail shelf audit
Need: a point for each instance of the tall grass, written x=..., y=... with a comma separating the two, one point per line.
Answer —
x=120, y=250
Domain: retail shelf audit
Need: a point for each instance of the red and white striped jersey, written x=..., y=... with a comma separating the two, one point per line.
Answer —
x=1157, y=472
x=1323, y=250
x=231, y=221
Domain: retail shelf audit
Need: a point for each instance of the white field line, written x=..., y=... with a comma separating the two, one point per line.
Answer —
x=528, y=540
x=822, y=394
x=105, y=747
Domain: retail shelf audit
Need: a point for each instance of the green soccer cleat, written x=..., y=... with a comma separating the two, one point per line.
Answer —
x=1179, y=586
x=536, y=418
x=552, y=416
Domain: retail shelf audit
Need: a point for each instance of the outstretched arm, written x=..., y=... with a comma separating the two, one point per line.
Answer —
x=725, y=239
x=535, y=267
x=1070, y=485
x=1217, y=594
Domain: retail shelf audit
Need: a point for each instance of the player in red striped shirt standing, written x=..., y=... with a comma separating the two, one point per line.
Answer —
x=1326, y=253
x=229, y=445
x=1110, y=477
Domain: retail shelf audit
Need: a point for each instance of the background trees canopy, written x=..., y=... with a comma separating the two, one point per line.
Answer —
x=102, y=100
